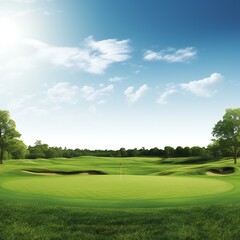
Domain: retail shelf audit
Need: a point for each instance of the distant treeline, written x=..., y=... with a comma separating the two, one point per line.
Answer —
x=40, y=150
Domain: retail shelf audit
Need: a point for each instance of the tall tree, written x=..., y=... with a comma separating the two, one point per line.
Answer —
x=8, y=132
x=168, y=152
x=196, y=151
x=227, y=131
x=17, y=149
x=179, y=152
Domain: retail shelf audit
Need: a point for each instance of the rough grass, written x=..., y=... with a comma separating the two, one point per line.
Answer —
x=216, y=222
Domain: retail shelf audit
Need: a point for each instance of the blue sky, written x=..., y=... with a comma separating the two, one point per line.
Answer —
x=104, y=74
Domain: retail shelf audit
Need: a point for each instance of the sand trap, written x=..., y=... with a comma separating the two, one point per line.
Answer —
x=223, y=171
x=37, y=173
x=215, y=174
x=89, y=172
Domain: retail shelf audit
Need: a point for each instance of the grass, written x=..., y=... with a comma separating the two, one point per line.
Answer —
x=154, y=199
x=55, y=223
x=115, y=191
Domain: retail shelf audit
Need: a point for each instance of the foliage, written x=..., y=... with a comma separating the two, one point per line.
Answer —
x=168, y=152
x=8, y=133
x=17, y=149
x=41, y=150
x=227, y=131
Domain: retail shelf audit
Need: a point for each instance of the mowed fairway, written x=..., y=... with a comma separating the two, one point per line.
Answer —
x=128, y=190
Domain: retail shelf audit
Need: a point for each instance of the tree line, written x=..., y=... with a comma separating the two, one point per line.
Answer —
x=225, y=144
x=40, y=150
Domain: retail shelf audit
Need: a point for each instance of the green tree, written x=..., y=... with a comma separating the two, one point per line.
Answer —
x=155, y=152
x=227, y=131
x=168, y=152
x=215, y=149
x=123, y=152
x=39, y=150
x=51, y=152
x=179, y=152
x=206, y=154
x=8, y=132
x=187, y=152
x=196, y=151
x=17, y=149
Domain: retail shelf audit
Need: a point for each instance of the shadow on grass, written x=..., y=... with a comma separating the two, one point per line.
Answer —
x=90, y=172
x=190, y=160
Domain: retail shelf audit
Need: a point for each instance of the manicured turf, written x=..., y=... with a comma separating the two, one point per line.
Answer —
x=185, y=184
x=158, y=199
x=121, y=188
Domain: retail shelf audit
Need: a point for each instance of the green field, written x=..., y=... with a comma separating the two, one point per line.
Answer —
x=153, y=198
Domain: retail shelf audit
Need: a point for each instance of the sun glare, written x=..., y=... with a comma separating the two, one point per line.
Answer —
x=9, y=34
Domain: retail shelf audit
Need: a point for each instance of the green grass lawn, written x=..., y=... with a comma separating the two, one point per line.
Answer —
x=116, y=191
x=153, y=199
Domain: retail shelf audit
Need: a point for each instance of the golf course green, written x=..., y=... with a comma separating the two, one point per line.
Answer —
x=44, y=183
x=121, y=188
x=118, y=198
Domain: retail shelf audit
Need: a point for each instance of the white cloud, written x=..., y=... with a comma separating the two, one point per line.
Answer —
x=171, y=55
x=16, y=66
x=91, y=94
x=63, y=92
x=134, y=96
x=117, y=79
x=165, y=95
x=93, y=56
x=204, y=87
x=110, y=49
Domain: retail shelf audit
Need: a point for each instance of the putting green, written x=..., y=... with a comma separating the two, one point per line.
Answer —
x=114, y=187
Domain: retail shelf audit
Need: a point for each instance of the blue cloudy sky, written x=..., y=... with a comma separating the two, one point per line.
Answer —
x=119, y=73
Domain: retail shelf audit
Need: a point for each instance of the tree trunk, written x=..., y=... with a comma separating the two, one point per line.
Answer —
x=1, y=156
x=235, y=152
x=235, y=159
